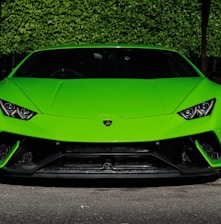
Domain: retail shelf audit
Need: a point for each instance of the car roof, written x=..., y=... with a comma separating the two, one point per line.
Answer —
x=135, y=46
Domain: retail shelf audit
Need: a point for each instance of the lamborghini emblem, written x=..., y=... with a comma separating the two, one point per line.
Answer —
x=107, y=122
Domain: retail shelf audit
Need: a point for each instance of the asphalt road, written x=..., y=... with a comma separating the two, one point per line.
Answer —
x=117, y=202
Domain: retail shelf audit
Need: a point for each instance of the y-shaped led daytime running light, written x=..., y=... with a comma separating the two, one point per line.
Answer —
x=200, y=110
x=12, y=110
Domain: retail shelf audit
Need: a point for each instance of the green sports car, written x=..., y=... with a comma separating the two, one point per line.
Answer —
x=109, y=111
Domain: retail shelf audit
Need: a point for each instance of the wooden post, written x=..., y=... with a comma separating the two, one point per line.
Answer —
x=205, y=18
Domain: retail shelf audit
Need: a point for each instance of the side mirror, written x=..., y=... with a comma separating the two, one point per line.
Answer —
x=215, y=76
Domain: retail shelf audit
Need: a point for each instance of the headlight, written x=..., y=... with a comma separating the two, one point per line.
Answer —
x=200, y=110
x=12, y=110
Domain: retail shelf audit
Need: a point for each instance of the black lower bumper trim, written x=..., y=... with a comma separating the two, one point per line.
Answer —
x=113, y=175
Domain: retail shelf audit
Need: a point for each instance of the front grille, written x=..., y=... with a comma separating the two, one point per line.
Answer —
x=111, y=164
x=174, y=155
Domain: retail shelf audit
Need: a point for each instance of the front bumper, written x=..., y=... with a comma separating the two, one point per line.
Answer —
x=195, y=155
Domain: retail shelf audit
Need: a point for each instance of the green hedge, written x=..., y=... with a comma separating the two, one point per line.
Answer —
x=31, y=24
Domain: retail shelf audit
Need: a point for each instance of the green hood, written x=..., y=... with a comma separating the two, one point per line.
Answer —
x=86, y=98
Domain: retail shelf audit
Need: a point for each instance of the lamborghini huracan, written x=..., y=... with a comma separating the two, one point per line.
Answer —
x=109, y=111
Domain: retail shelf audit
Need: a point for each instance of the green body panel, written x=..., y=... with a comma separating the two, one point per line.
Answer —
x=86, y=98
x=141, y=110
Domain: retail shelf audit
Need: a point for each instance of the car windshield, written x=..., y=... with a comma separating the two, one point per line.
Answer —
x=105, y=63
